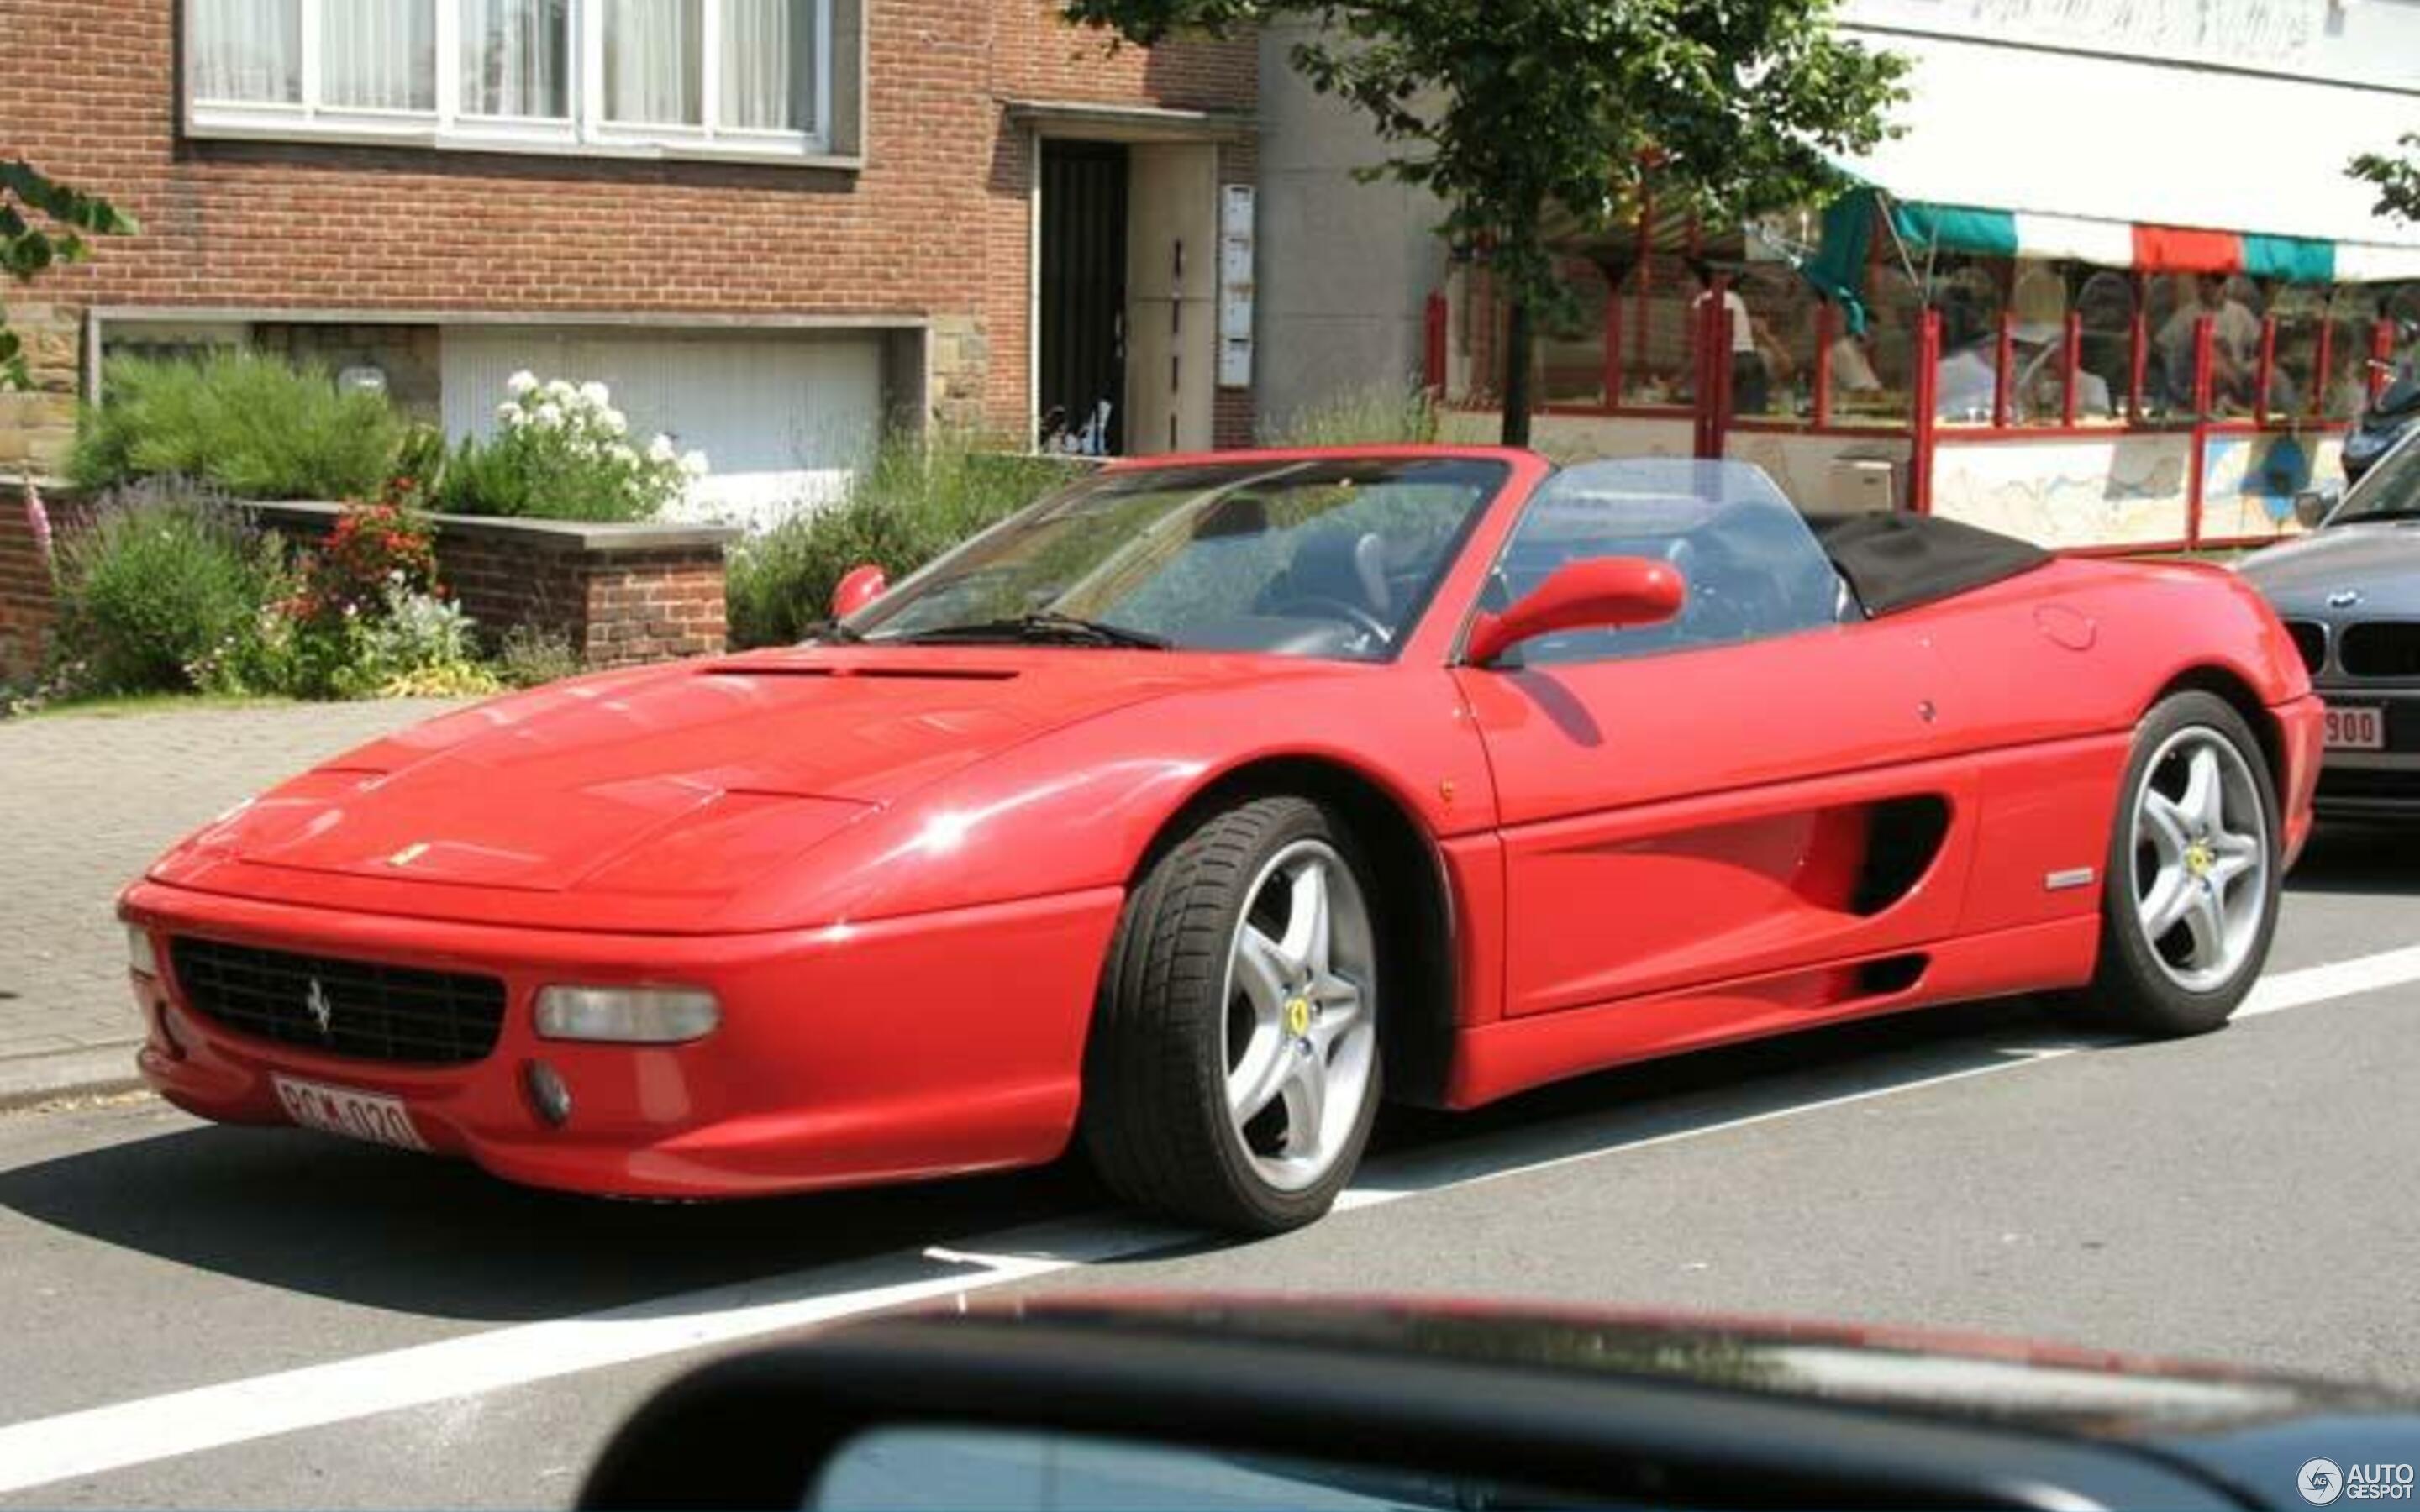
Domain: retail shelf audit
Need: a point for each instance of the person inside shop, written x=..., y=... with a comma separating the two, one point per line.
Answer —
x=2234, y=345
x=2040, y=386
x=1966, y=381
x=1750, y=339
x=1853, y=363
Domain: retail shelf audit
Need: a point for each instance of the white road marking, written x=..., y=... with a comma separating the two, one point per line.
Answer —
x=69, y=1445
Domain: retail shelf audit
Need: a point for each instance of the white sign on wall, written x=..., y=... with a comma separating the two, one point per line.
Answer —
x=1237, y=238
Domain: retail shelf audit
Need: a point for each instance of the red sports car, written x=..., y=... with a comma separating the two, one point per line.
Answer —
x=1196, y=807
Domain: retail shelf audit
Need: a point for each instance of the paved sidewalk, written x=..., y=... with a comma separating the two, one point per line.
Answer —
x=86, y=802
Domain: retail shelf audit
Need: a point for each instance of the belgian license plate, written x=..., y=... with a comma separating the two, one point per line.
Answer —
x=337, y=1110
x=2355, y=729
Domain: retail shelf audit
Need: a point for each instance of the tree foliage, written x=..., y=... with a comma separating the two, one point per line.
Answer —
x=2397, y=176
x=1507, y=108
x=44, y=222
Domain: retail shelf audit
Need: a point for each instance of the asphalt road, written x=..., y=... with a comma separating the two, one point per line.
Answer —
x=193, y=1315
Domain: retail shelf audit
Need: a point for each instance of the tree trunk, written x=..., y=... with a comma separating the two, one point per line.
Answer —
x=1518, y=340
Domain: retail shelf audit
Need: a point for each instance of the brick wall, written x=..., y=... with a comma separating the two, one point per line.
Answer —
x=618, y=594
x=934, y=225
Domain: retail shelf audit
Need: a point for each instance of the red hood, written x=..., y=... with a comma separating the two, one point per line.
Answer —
x=681, y=782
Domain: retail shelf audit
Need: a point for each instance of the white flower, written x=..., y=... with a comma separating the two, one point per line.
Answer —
x=521, y=382
x=508, y=411
x=596, y=394
x=615, y=421
x=660, y=450
x=561, y=391
x=693, y=464
x=514, y=417
x=549, y=415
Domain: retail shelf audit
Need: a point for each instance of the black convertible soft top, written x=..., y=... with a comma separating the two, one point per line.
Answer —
x=1898, y=560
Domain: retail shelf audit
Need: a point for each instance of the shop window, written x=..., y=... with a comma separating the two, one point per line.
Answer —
x=2300, y=314
x=1570, y=359
x=1781, y=323
x=1968, y=293
x=1658, y=341
x=2105, y=309
x=1873, y=373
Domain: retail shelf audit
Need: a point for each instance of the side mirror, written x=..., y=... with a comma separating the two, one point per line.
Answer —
x=2313, y=506
x=860, y=587
x=1599, y=594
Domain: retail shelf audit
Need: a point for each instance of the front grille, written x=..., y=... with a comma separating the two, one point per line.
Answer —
x=2380, y=648
x=2311, y=641
x=372, y=1012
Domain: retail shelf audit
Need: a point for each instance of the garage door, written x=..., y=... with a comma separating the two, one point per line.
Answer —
x=781, y=416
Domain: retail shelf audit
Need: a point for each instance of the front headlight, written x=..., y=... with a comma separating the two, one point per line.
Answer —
x=141, y=958
x=627, y=1015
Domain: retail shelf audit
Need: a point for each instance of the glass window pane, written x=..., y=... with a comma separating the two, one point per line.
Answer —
x=2353, y=315
x=248, y=50
x=769, y=65
x=378, y=54
x=1966, y=382
x=516, y=58
x=1571, y=359
x=2106, y=306
x=1658, y=366
x=1779, y=375
x=652, y=61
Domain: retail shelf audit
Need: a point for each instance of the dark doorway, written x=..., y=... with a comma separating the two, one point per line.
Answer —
x=1084, y=294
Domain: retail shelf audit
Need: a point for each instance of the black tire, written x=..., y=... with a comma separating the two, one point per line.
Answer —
x=2131, y=991
x=1156, y=1118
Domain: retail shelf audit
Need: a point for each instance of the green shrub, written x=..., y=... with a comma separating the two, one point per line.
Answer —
x=160, y=581
x=242, y=422
x=528, y=656
x=563, y=453
x=914, y=498
x=1380, y=415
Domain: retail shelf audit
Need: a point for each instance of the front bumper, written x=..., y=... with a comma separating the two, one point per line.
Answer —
x=907, y=1048
x=2373, y=785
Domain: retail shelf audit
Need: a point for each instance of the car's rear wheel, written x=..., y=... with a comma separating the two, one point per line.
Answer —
x=2190, y=905
x=1233, y=1070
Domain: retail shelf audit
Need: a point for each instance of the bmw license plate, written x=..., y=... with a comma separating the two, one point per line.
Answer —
x=337, y=1110
x=2355, y=729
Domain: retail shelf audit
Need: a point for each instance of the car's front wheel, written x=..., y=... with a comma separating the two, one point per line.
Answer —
x=1233, y=1071
x=2194, y=866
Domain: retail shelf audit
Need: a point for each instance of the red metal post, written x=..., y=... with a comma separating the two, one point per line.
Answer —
x=2204, y=328
x=1437, y=319
x=1826, y=318
x=2070, y=364
x=1714, y=345
x=1612, y=346
x=2004, y=369
x=2323, y=372
x=2267, y=372
x=1927, y=389
x=2382, y=351
x=2138, y=353
x=1646, y=269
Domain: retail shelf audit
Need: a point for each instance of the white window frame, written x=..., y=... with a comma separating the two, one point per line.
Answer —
x=584, y=133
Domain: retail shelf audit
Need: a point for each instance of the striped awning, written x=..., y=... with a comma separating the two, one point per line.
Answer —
x=2165, y=249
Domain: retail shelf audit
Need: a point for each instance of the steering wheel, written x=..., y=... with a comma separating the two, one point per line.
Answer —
x=1323, y=606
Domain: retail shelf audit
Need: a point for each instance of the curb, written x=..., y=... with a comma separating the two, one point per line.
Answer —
x=93, y=1071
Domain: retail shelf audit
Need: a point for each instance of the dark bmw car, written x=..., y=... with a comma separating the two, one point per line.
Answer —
x=2349, y=591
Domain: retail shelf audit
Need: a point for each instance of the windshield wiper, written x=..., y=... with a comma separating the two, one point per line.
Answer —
x=832, y=632
x=1046, y=628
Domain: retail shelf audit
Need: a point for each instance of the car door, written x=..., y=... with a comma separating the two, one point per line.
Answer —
x=1749, y=792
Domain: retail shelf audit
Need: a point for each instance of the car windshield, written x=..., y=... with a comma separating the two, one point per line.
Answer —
x=1331, y=558
x=2390, y=490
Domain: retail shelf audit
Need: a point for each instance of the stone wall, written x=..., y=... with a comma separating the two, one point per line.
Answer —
x=37, y=427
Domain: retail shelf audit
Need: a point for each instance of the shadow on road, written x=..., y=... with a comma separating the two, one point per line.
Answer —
x=2377, y=860
x=307, y=1213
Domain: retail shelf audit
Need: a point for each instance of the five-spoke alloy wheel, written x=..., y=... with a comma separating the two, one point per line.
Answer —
x=1234, y=1071
x=2191, y=899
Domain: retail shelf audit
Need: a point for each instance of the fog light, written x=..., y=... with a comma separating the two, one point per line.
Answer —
x=627, y=1015
x=547, y=1093
x=141, y=958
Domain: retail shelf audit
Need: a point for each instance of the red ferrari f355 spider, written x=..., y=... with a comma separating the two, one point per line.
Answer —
x=1192, y=810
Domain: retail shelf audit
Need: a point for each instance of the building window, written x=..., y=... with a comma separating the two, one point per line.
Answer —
x=707, y=77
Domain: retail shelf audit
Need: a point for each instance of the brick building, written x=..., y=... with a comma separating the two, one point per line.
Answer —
x=770, y=224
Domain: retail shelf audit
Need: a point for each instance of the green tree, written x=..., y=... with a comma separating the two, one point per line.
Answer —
x=2397, y=176
x=42, y=222
x=1504, y=108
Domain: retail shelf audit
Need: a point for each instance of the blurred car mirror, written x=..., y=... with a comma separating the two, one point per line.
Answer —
x=2313, y=506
